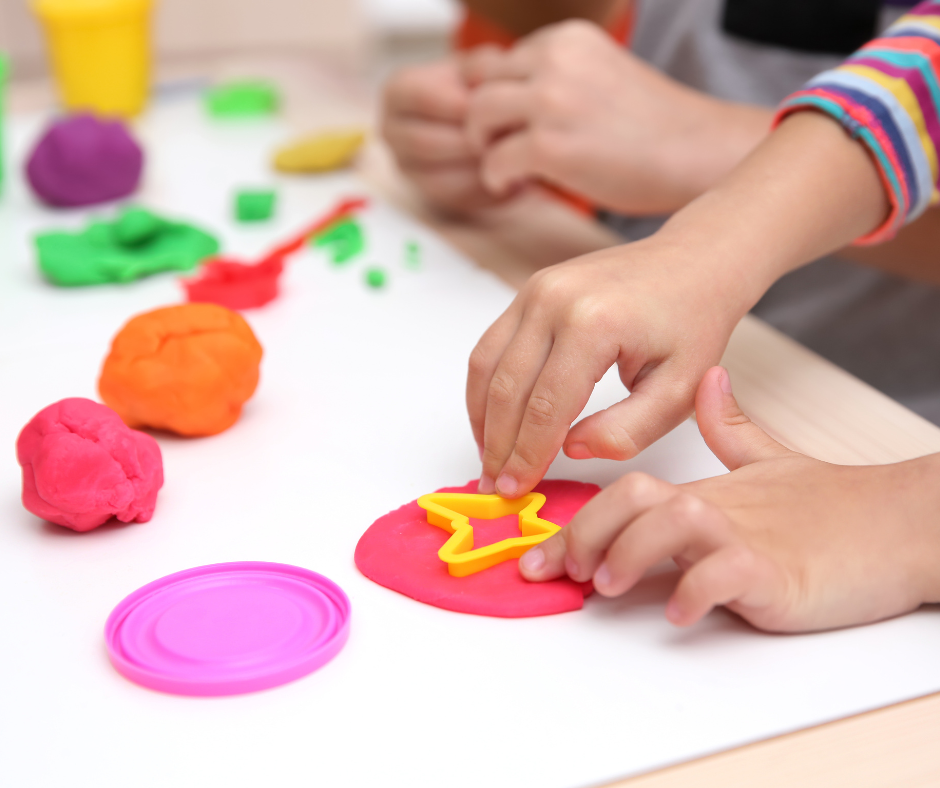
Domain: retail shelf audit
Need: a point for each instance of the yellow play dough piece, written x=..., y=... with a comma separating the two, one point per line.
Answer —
x=328, y=150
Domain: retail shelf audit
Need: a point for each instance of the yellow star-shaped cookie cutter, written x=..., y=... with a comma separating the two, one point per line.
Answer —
x=452, y=512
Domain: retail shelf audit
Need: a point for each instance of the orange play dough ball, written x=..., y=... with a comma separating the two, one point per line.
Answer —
x=187, y=369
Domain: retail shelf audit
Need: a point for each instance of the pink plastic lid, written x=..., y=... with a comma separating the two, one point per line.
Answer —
x=225, y=629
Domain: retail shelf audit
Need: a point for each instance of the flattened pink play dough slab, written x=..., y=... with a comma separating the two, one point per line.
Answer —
x=82, y=466
x=226, y=629
x=399, y=551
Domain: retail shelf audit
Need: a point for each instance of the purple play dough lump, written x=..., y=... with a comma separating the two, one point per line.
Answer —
x=82, y=160
x=82, y=466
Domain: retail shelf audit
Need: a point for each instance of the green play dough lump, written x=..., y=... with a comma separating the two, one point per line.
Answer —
x=136, y=226
x=136, y=244
x=342, y=241
x=242, y=99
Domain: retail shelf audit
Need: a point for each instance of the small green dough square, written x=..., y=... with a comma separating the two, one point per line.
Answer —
x=376, y=278
x=252, y=206
x=242, y=99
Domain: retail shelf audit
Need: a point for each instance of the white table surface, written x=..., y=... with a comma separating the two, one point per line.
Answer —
x=360, y=409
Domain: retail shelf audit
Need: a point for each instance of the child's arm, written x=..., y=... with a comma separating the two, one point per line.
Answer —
x=787, y=542
x=662, y=309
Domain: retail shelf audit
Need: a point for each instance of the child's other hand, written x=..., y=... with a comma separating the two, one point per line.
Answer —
x=570, y=105
x=662, y=313
x=786, y=542
x=423, y=116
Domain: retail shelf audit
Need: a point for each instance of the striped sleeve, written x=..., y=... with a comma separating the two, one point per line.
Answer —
x=887, y=96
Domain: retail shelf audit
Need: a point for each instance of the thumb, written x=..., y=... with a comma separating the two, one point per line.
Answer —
x=732, y=436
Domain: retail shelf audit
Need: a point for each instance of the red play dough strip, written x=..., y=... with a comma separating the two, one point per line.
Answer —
x=399, y=551
x=238, y=285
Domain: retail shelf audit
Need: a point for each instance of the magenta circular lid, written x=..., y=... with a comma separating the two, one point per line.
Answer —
x=225, y=629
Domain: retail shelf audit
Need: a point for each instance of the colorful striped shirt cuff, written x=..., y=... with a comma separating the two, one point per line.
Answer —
x=887, y=96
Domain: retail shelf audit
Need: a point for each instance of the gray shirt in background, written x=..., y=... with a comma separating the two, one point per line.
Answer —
x=880, y=328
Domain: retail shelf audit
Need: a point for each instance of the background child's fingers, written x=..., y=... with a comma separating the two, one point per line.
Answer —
x=602, y=519
x=659, y=403
x=427, y=142
x=496, y=109
x=734, y=573
x=482, y=364
x=562, y=389
x=730, y=434
x=508, y=393
x=489, y=62
x=681, y=526
x=507, y=163
x=433, y=91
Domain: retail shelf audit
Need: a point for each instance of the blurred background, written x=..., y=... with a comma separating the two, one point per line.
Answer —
x=370, y=36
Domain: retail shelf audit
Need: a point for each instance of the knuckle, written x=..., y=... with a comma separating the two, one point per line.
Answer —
x=525, y=458
x=636, y=486
x=548, y=287
x=741, y=559
x=688, y=510
x=551, y=98
x=479, y=363
x=492, y=459
x=591, y=315
x=503, y=389
x=541, y=411
x=616, y=443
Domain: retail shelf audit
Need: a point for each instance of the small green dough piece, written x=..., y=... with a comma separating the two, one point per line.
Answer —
x=136, y=226
x=342, y=241
x=412, y=255
x=95, y=256
x=242, y=99
x=376, y=278
x=254, y=206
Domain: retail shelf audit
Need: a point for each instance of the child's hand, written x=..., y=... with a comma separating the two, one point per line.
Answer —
x=786, y=542
x=662, y=313
x=423, y=117
x=570, y=105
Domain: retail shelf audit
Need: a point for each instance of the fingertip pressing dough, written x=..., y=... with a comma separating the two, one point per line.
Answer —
x=84, y=160
x=138, y=243
x=82, y=466
x=399, y=551
x=328, y=150
x=187, y=369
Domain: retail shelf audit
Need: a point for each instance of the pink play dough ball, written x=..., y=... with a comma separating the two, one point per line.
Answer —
x=82, y=466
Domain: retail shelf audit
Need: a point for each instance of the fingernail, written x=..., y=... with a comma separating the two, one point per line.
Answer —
x=673, y=612
x=571, y=567
x=533, y=560
x=506, y=485
x=486, y=486
x=579, y=451
x=602, y=575
x=724, y=381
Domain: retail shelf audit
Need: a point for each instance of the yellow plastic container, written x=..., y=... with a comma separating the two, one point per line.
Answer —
x=100, y=52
